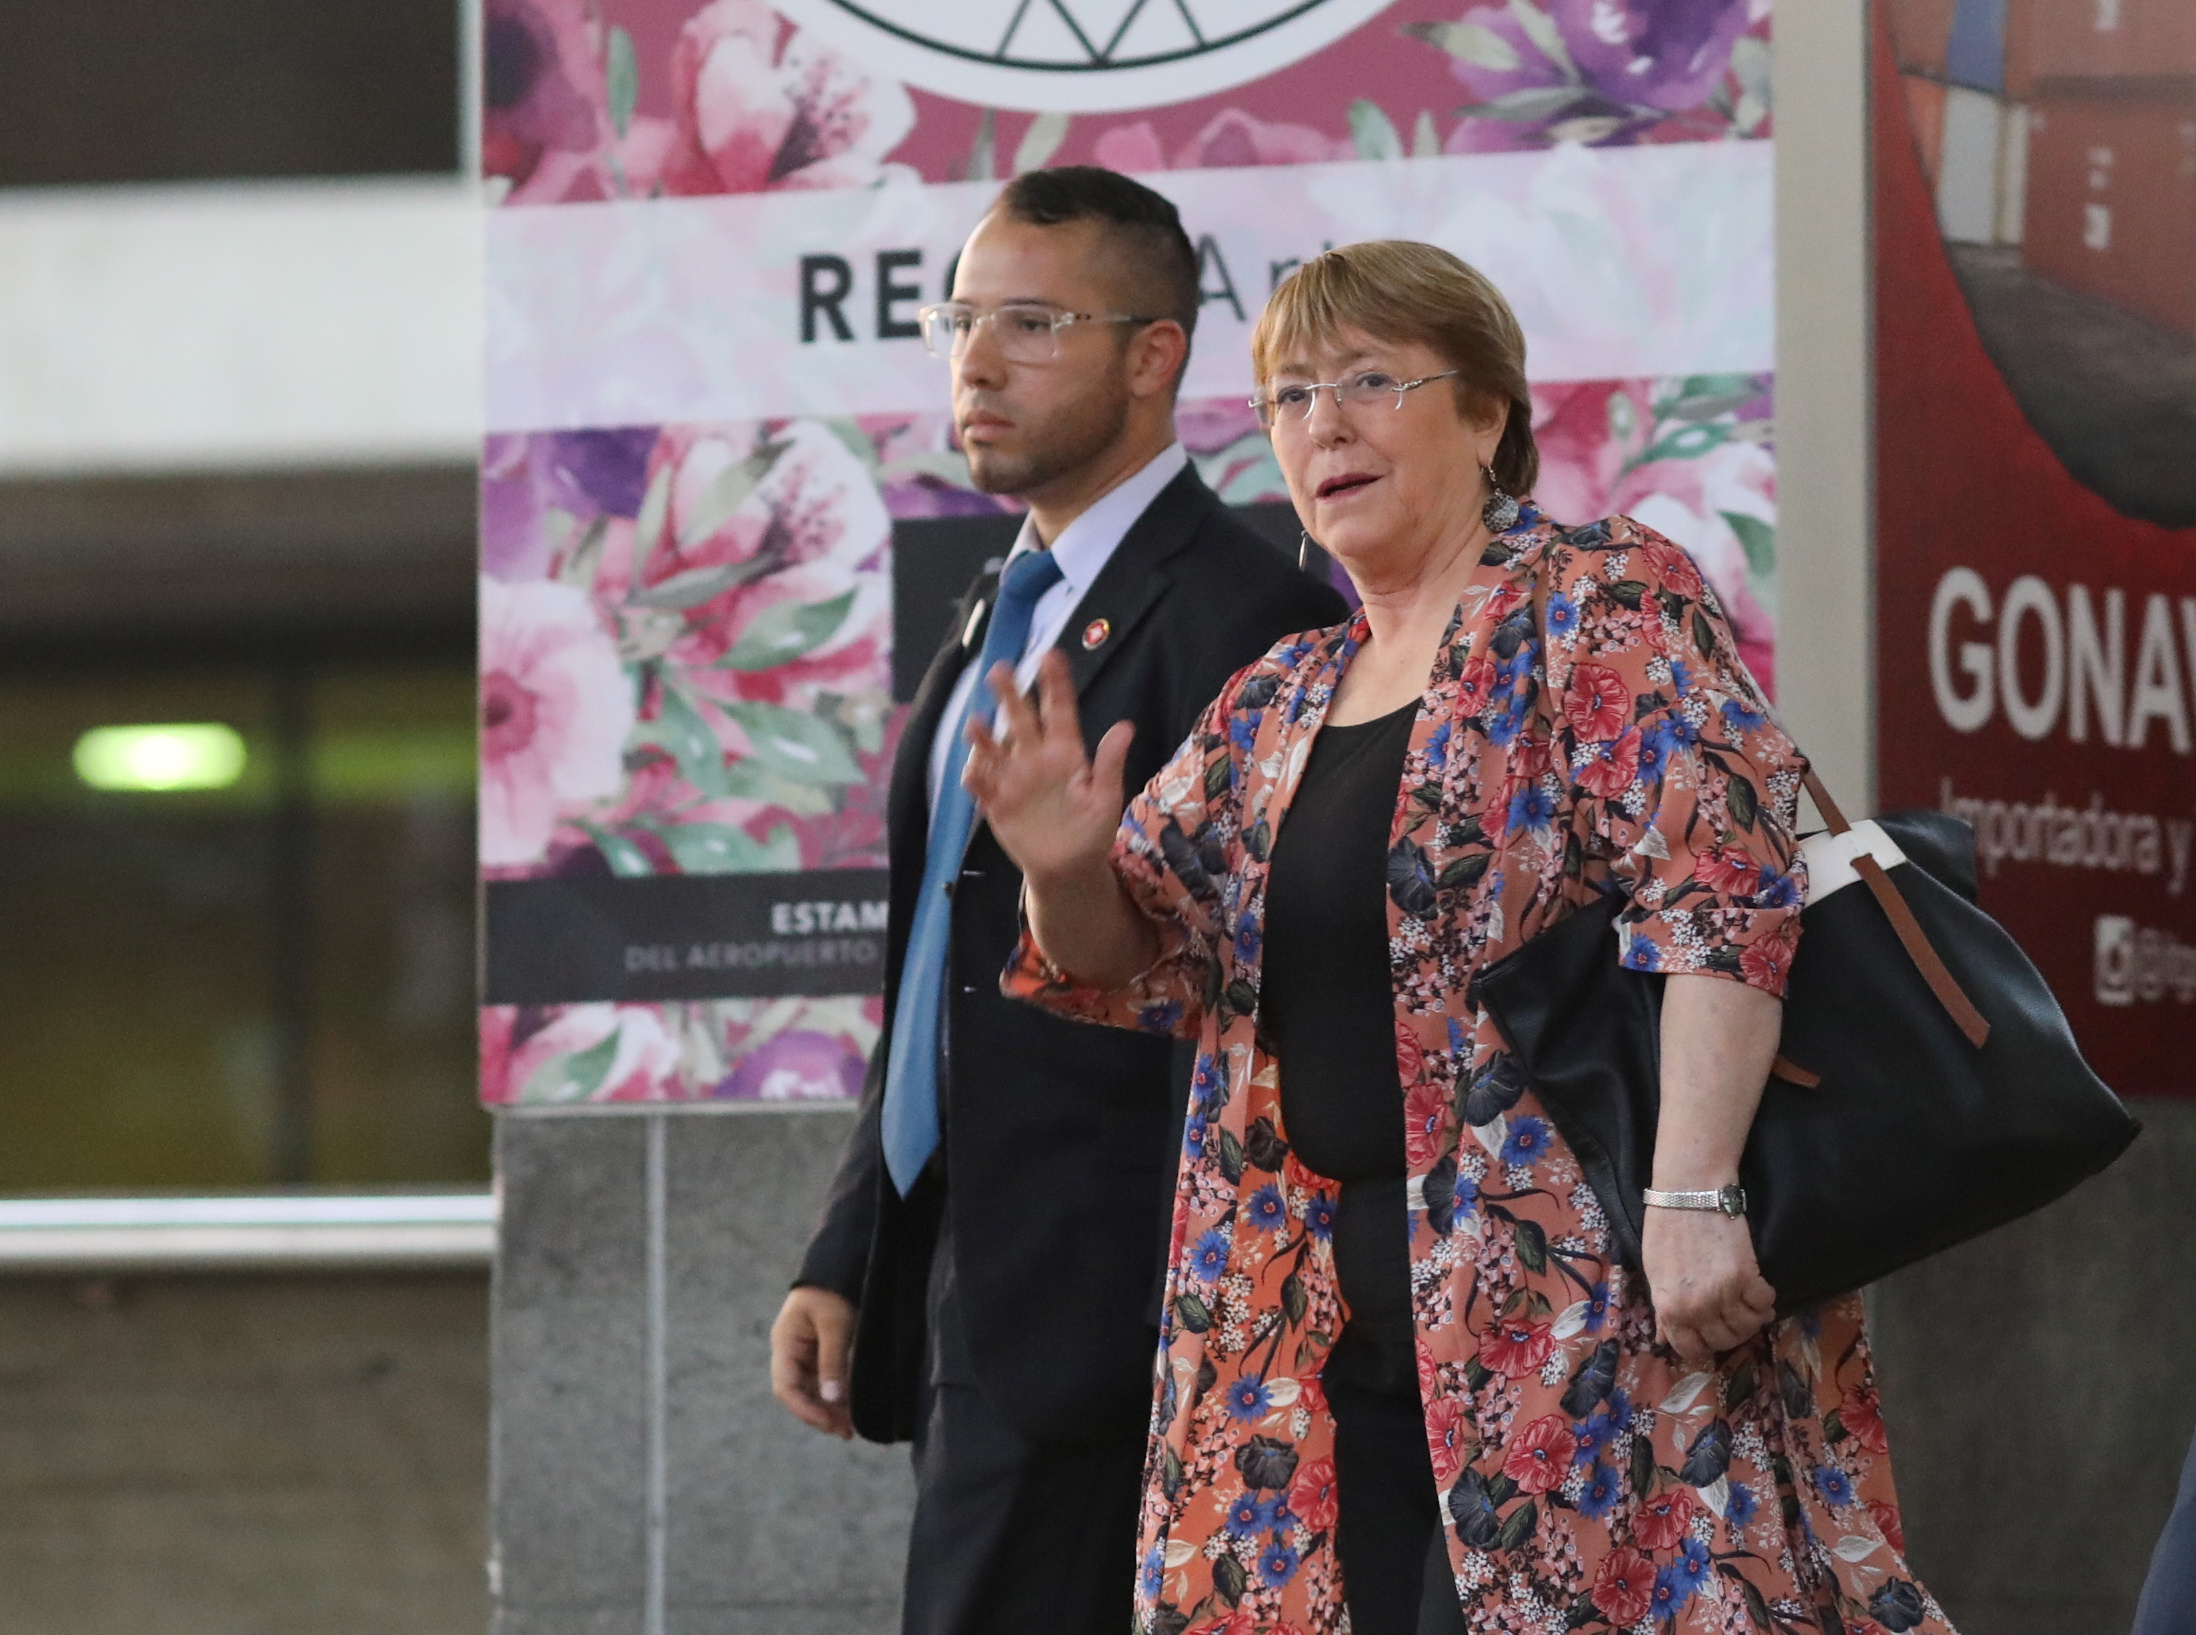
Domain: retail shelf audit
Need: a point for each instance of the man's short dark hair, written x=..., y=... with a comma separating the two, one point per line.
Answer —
x=1155, y=253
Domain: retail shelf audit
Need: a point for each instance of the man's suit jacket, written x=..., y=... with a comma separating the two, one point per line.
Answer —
x=1059, y=1138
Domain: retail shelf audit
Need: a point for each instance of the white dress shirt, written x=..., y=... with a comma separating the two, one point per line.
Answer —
x=1083, y=549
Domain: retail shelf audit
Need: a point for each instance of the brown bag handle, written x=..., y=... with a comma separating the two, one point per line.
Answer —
x=1957, y=1005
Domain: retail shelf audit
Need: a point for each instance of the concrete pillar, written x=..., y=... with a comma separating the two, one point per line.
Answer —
x=645, y=1482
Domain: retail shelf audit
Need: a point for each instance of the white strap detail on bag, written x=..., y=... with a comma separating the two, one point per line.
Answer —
x=1830, y=857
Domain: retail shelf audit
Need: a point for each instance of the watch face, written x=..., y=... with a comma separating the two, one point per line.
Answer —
x=1078, y=56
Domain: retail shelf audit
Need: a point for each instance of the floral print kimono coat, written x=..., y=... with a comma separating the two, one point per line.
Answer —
x=1587, y=728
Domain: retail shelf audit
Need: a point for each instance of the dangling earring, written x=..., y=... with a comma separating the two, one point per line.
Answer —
x=1500, y=511
x=1303, y=551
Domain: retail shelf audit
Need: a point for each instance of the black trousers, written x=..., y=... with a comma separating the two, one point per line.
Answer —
x=1395, y=1560
x=1012, y=1535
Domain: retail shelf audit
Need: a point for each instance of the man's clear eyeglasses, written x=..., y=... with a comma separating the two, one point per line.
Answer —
x=1027, y=331
x=1293, y=400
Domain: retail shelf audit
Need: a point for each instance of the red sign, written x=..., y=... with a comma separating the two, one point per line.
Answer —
x=2036, y=524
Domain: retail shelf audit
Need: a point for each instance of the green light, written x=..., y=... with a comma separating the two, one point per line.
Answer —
x=199, y=755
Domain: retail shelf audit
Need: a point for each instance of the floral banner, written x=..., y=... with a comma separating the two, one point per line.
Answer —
x=703, y=444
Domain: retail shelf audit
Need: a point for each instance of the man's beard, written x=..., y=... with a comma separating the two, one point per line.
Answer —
x=1063, y=444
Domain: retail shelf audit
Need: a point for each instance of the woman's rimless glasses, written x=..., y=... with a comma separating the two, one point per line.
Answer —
x=1294, y=400
x=1027, y=331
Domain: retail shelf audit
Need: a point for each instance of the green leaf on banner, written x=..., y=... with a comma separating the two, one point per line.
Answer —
x=858, y=442
x=1707, y=397
x=1759, y=539
x=1740, y=386
x=983, y=153
x=583, y=554
x=780, y=634
x=1469, y=42
x=572, y=1078
x=1373, y=131
x=1040, y=142
x=726, y=493
x=1538, y=27
x=682, y=731
x=648, y=526
x=748, y=779
x=1753, y=63
x=795, y=744
x=1686, y=443
x=1586, y=130
x=948, y=469
x=627, y=861
x=684, y=591
x=1530, y=107
x=624, y=79
x=724, y=848
x=1425, y=137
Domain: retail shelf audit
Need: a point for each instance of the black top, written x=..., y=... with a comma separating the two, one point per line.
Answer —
x=1327, y=1002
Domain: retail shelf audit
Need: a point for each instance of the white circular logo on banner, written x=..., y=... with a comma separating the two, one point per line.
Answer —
x=1079, y=56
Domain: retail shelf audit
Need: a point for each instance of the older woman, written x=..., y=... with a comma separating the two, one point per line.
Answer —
x=1402, y=1371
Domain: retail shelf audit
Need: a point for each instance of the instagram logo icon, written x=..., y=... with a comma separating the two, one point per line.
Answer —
x=2115, y=960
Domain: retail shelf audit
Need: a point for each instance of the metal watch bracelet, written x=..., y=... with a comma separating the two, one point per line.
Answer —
x=1731, y=1200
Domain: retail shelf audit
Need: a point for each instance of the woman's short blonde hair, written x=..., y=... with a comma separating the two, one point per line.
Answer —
x=1399, y=290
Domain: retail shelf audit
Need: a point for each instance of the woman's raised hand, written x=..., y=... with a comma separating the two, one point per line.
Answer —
x=1053, y=808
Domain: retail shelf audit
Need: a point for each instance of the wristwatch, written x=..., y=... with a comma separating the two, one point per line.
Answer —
x=1730, y=1199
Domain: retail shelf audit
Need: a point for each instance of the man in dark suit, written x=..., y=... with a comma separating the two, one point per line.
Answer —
x=992, y=1248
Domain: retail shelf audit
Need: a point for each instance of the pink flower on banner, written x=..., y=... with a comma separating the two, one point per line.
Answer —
x=576, y=1053
x=1230, y=139
x=541, y=93
x=806, y=537
x=555, y=709
x=760, y=106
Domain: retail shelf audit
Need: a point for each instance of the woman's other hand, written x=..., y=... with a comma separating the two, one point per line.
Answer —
x=1056, y=811
x=1708, y=1290
x=1053, y=808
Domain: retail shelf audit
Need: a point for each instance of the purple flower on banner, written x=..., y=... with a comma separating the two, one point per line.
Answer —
x=1666, y=54
x=1592, y=70
x=597, y=472
x=796, y=1065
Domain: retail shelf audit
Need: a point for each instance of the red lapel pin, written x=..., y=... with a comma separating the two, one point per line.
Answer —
x=1095, y=633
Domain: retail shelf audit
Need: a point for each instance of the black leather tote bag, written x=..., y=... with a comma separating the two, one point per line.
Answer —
x=1926, y=1087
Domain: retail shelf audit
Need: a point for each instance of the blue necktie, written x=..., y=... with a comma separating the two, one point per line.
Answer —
x=910, y=1114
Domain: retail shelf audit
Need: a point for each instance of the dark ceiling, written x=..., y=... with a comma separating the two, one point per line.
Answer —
x=96, y=91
